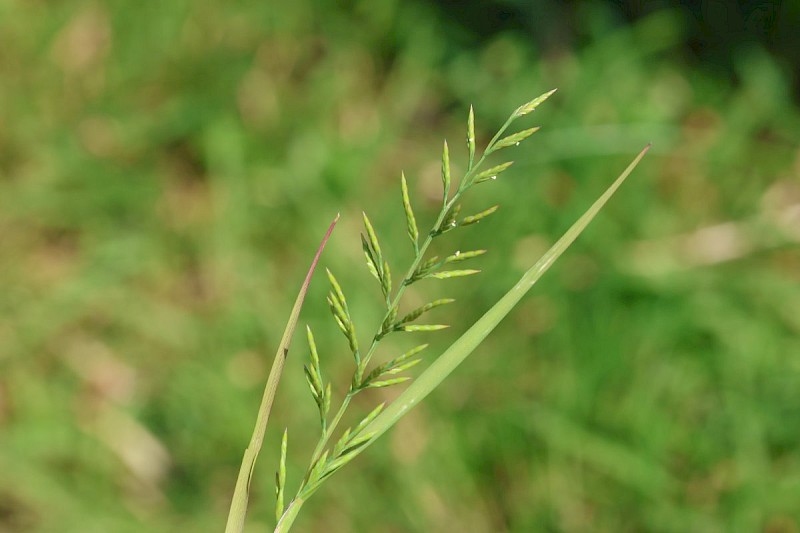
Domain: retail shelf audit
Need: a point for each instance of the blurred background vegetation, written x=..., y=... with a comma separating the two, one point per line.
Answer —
x=167, y=169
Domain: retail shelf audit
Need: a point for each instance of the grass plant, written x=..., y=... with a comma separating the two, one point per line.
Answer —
x=168, y=170
x=328, y=458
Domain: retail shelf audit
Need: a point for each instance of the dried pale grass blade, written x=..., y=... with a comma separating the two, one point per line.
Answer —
x=466, y=344
x=238, y=510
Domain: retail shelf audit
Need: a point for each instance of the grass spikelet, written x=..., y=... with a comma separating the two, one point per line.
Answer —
x=373, y=247
x=368, y=255
x=386, y=283
x=386, y=383
x=422, y=327
x=492, y=173
x=471, y=137
x=416, y=313
x=395, y=366
x=447, y=274
x=367, y=419
x=337, y=293
x=449, y=222
x=411, y=221
x=463, y=256
x=313, y=374
x=474, y=219
x=280, y=476
x=423, y=269
x=533, y=104
x=514, y=139
x=445, y=173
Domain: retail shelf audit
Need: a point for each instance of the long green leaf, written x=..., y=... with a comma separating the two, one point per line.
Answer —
x=238, y=510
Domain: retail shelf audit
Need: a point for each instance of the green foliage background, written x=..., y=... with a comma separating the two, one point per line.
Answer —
x=167, y=169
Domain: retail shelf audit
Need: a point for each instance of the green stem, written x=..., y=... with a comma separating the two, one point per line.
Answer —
x=286, y=521
x=329, y=431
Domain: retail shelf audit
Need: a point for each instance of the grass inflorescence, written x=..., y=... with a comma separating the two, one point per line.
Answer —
x=328, y=455
x=325, y=460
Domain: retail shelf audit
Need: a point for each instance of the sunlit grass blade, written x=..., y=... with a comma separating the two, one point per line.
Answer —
x=238, y=510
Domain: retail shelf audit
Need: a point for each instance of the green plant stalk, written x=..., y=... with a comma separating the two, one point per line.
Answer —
x=462, y=187
x=238, y=510
x=445, y=364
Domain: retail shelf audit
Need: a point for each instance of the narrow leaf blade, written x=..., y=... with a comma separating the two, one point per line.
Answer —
x=238, y=510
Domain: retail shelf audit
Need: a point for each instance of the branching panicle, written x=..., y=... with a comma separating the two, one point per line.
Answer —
x=326, y=460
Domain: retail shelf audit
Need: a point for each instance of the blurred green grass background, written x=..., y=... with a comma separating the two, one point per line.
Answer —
x=167, y=169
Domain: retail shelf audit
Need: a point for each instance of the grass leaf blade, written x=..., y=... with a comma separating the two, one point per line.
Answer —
x=238, y=510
